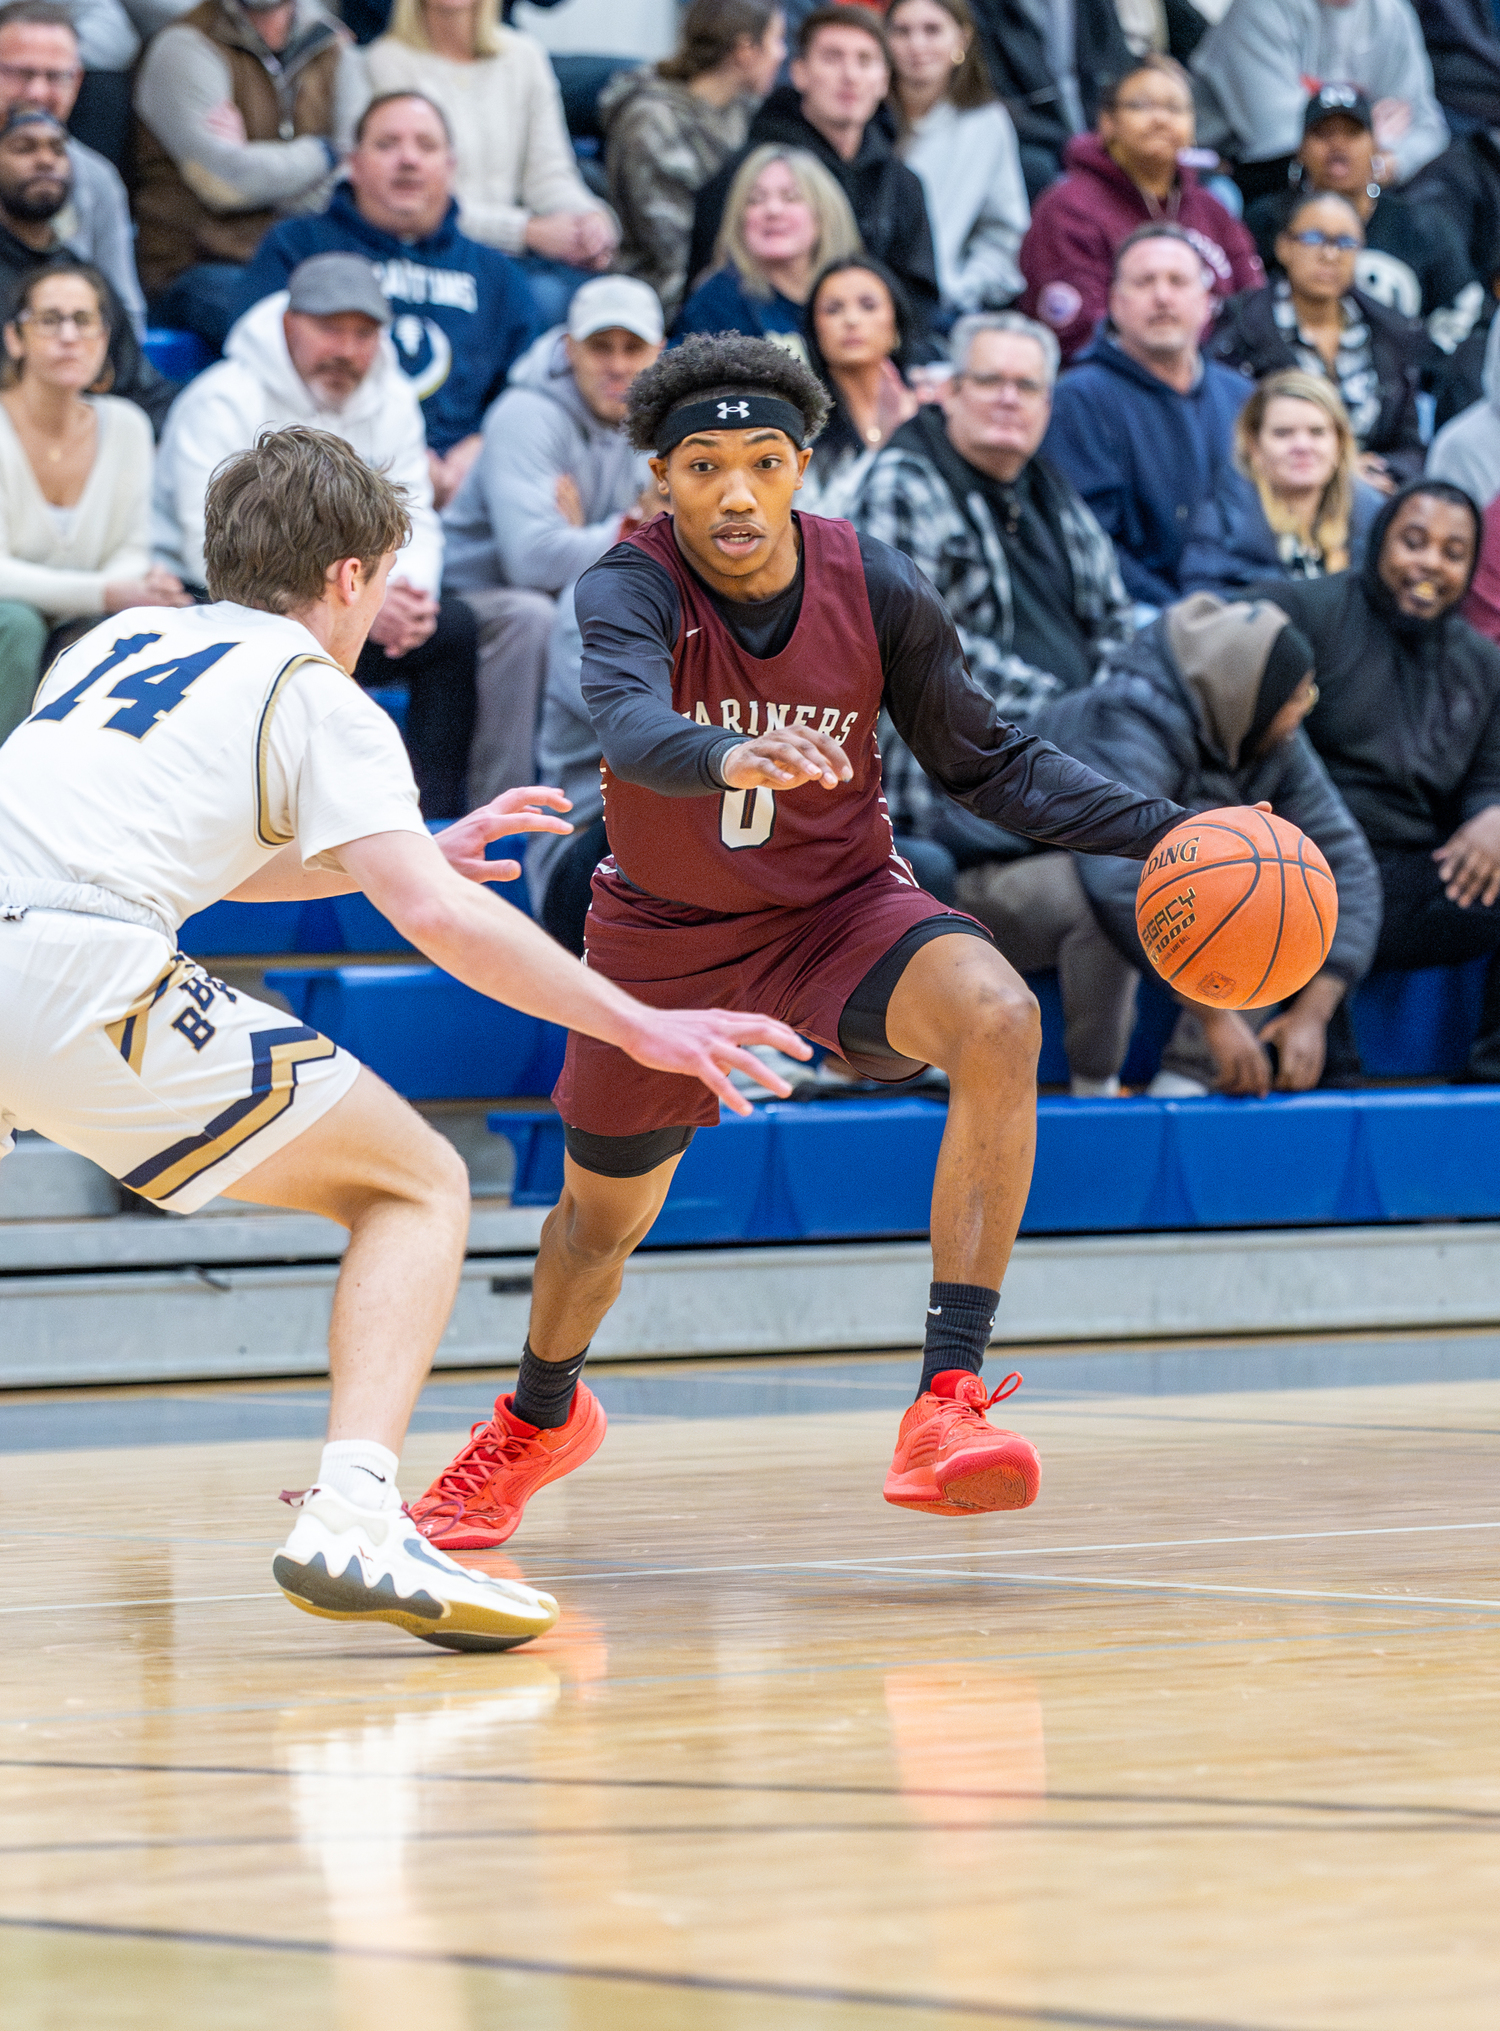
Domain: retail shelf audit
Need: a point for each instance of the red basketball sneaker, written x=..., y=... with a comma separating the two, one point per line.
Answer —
x=477, y=1500
x=951, y=1461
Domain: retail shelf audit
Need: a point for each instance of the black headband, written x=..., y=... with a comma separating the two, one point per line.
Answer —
x=730, y=412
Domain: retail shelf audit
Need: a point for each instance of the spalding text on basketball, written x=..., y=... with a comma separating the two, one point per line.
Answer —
x=1168, y=855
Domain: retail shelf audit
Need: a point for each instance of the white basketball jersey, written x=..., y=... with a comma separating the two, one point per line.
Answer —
x=171, y=753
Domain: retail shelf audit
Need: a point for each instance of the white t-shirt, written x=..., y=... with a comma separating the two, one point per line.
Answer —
x=171, y=753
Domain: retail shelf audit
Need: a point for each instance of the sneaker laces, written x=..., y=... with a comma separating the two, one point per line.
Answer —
x=488, y=1449
x=954, y=1409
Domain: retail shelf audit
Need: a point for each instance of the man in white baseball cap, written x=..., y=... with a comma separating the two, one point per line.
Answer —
x=554, y=487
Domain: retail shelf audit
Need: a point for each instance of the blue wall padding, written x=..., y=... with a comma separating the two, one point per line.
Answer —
x=1418, y=1025
x=426, y=1034
x=332, y=924
x=862, y=1169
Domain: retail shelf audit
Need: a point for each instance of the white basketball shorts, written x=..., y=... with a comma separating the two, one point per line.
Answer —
x=134, y=1056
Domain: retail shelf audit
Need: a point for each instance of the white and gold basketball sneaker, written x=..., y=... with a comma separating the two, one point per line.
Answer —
x=373, y=1565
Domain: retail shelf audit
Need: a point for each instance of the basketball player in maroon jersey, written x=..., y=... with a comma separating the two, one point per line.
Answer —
x=736, y=657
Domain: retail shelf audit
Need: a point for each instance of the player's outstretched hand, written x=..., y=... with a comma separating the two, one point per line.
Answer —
x=462, y=844
x=786, y=759
x=709, y=1044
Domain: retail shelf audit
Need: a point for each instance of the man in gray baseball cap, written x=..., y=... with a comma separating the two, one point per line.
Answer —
x=317, y=353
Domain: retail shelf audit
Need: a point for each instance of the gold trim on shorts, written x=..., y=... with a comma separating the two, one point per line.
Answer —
x=277, y=1054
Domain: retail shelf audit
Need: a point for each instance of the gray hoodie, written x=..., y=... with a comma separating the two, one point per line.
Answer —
x=567, y=748
x=504, y=526
x=1467, y=449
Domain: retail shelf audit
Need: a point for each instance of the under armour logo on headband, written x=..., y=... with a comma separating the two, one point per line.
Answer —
x=715, y=414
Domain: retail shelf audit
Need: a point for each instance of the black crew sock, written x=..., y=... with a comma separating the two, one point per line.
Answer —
x=960, y=1318
x=544, y=1389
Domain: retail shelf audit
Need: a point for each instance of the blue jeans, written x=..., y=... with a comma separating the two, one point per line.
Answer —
x=206, y=300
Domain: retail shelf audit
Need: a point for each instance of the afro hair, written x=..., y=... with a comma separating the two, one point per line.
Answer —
x=722, y=363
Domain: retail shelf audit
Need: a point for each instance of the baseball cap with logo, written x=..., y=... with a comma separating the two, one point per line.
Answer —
x=1345, y=101
x=616, y=300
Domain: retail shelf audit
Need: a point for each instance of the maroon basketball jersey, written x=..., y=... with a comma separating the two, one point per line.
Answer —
x=752, y=849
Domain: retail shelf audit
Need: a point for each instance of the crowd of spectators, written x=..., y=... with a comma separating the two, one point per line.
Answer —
x=1160, y=335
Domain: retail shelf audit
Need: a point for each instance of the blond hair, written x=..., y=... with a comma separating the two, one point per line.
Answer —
x=279, y=515
x=408, y=24
x=838, y=236
x=1330, y=519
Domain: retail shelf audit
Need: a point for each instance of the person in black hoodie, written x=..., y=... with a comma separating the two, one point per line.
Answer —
x=1313, y=316
x=833, y=108
x=1408, y=724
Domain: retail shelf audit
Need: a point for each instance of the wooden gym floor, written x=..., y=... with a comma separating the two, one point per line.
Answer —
x=1208, y=1738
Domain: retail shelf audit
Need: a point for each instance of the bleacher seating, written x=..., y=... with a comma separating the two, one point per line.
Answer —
x=177, y=354
x=862, y=1169
x=334, y=924
x=424, y=1033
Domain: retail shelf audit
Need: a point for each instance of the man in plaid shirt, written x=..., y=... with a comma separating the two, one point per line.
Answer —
x=1034, y=591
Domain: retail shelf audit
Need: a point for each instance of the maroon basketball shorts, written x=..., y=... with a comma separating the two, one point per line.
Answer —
x=802, y=966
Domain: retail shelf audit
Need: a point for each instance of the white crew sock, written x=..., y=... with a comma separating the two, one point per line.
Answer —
x=362, y=1471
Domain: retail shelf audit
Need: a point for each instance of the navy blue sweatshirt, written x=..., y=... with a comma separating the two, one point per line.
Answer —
x=461, y=313
x=1143, y=456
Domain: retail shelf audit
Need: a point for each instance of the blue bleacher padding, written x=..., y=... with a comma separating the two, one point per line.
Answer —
x=427, y=1034
x=332, y=924
x=1418, y=1025
x=1098, y=1166
x=862, y=1169
x=176, y=354
x=394, y=699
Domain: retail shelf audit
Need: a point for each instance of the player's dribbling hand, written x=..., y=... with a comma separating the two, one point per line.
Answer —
x=462, y=844
x=785, y=760
x=709, y=1044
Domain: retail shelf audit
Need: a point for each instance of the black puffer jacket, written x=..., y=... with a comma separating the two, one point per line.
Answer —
x=1408, y=720
x=1169, y=721
x=1246, y=335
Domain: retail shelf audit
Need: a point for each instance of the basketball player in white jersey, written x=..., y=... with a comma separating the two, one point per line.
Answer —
x=177, y=757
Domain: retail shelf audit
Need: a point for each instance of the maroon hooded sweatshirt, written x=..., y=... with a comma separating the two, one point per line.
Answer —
x=1076, y=225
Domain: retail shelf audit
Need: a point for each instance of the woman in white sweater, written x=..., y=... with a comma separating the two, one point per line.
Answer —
x=960, y=141
x=75, y=482
x=517, y=181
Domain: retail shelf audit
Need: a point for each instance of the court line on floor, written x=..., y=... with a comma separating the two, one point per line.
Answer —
x=724, y=1985
x=1208, y=1801
x=1007, y=1826
x=1040, y=1580
x=898, y=1567
x=857, y=1564
x=154, y=1601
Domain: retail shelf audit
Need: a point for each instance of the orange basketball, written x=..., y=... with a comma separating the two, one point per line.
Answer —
x=1236, y=908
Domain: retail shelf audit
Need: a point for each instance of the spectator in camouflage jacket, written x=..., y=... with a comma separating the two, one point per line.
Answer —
x=1025, y=570
x=670, y=128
